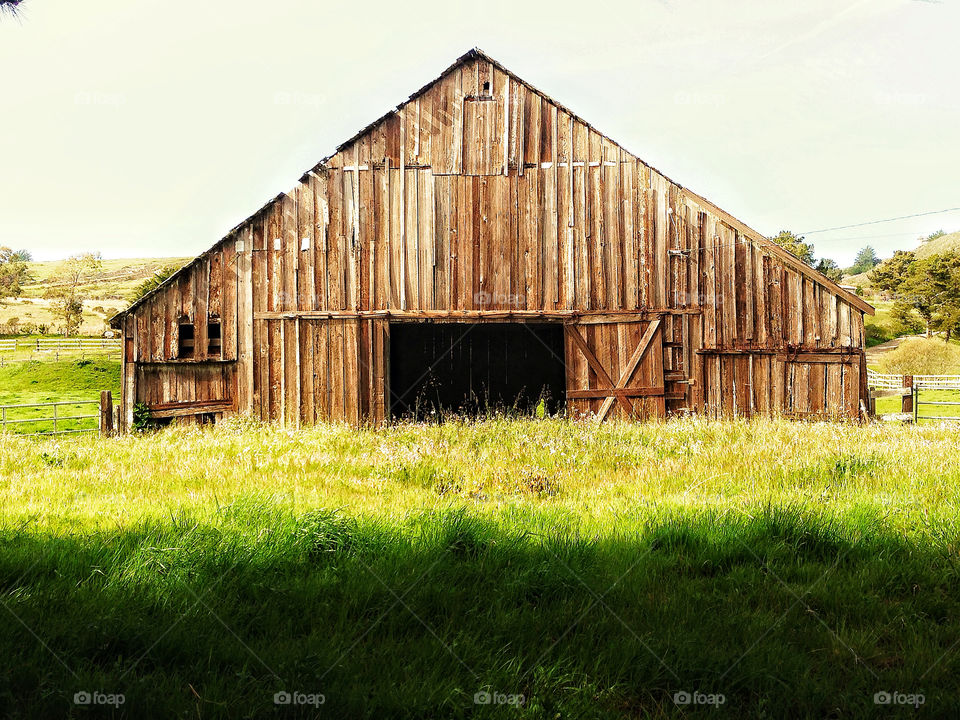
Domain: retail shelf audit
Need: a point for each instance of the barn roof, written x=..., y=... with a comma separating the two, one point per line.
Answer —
x=478, y=54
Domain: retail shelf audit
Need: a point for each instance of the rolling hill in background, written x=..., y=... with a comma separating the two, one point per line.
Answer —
x=945, y=243
x=107, y=292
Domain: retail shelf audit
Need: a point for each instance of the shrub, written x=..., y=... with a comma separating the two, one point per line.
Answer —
x=876, y=334
x=142, y=418
x=922, y=356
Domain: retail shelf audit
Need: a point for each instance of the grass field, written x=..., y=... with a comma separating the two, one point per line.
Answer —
x=36, y=381
x=794, y=569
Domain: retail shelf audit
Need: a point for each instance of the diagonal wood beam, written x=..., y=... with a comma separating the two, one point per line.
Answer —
x=602, y=374
x=633, y=392
x=631, y=367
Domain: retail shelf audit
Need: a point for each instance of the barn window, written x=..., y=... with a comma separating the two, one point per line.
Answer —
x=486, y=87
x=213, y=336
x=185, y=339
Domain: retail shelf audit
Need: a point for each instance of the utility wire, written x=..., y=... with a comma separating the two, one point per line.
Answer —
x=877, y=222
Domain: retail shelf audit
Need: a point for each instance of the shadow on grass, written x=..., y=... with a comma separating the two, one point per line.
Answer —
x=452, y=615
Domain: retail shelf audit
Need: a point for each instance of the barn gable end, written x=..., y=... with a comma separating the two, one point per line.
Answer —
x=482, y=200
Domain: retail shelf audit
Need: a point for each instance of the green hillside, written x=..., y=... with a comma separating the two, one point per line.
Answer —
x=107, y=292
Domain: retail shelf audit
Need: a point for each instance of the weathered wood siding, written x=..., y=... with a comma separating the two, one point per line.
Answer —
x=205, y=291
x=482, y=197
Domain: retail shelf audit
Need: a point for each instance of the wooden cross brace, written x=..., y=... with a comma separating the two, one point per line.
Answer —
x=619, y=392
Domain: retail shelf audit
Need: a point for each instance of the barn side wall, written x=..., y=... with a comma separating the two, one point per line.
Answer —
x=481, y=197
x=207, y=292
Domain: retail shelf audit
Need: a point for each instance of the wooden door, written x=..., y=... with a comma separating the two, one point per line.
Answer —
x=615, y=369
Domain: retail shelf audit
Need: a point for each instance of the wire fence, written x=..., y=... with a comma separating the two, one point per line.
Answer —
x=51, y=421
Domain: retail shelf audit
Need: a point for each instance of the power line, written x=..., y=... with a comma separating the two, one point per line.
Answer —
x=873, y=237
x=877, y=222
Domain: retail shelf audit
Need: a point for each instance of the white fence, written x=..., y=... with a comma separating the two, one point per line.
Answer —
x=921, y=382
x=60, y=344
x=53, y=348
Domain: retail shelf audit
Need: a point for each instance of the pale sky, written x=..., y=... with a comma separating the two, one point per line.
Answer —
x=146, y=128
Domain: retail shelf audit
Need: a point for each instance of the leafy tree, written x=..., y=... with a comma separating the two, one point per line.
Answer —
x=13, y=273
x=865, y=261
x=904, y=320
x=66, y=285
x=935, y=283
x=23, y=255
x=795, y=245
x=891, y=272
x=153, y=282
x=829, y=268
x=929, y=287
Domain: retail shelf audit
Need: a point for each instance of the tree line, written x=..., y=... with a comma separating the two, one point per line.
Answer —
x=925, y=291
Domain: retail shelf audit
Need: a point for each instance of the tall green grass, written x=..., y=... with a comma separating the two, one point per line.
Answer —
x=597, y=571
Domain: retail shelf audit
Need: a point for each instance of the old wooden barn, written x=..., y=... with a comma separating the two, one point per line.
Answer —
x=481, y=244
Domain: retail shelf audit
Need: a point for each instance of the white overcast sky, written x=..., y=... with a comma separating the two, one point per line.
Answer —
x=147, y=128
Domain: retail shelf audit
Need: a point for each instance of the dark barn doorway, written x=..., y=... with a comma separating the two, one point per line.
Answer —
x=475, y=368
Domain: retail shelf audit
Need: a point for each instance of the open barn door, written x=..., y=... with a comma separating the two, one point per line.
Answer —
x=439, y=369
x=615, y=369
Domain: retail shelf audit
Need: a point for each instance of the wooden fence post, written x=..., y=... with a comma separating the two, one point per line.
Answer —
x=906, y=405
x=106, y=413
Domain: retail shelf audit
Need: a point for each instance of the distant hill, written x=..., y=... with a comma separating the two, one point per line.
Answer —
x=946, y=243
x=860, y=280
x=107, y=293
